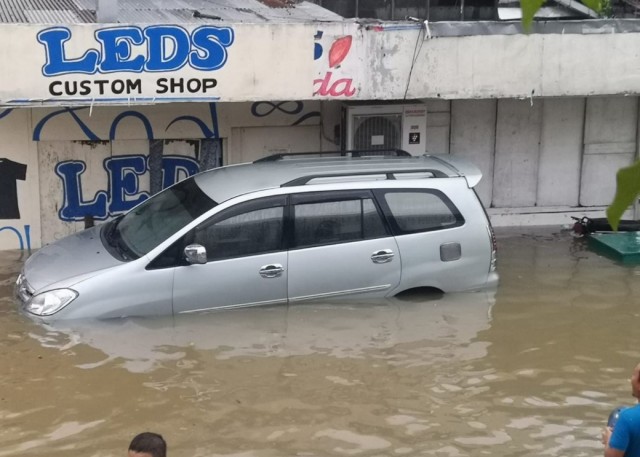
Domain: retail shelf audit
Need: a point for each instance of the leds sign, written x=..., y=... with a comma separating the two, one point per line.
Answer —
x=127, y=49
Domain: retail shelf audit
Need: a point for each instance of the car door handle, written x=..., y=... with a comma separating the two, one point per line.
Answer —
x=271, y=271
x=383, y=256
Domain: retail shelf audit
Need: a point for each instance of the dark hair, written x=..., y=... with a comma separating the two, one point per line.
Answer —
x=149, y=442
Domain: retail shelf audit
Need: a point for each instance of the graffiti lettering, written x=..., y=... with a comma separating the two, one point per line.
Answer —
x=123, y=177
x=156, y=48
x=262, y=109
x=175, y=169
x=124, y=183
x=23, y=241
x=74, y=207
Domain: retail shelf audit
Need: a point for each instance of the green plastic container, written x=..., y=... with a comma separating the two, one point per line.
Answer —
x=621, y=246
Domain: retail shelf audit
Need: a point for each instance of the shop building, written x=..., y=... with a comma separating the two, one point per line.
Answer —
x=103, y=107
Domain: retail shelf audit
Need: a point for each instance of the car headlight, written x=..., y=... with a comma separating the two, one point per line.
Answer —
x=48, y=303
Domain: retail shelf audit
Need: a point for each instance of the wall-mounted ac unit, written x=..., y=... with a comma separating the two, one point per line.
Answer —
x=386, y=126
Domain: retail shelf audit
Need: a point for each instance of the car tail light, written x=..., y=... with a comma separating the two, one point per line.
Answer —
x=494, y=248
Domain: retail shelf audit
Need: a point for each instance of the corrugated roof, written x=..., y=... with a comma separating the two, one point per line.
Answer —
x=34, y=11
x=164, y=11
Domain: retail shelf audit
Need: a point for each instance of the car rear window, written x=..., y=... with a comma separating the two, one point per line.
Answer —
x=420, y=210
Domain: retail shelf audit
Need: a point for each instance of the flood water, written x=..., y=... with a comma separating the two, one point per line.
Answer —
x=532, y=369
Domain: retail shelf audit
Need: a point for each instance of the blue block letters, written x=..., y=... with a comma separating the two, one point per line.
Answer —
x=123, y=178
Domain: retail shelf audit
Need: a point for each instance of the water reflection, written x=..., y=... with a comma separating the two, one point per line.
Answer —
x=448, y=322
x=531, y=370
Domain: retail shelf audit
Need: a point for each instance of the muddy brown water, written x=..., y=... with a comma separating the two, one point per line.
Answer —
x=532, y=369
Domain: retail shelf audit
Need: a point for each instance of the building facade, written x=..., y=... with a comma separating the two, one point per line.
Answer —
x=97, y=117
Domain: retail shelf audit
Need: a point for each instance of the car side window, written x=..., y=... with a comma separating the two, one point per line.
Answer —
x=340, y=221
x=412, y=211
x=257, y=231
x=249, y=228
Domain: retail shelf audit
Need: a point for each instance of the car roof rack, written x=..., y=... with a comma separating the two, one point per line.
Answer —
x=346, y=153
x=389, y=174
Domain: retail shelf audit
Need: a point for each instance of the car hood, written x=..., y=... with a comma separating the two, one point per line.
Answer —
x=75, y=255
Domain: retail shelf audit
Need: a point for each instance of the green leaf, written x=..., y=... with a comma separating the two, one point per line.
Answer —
x=529, y=9
x=595, y=5
x=627, y=190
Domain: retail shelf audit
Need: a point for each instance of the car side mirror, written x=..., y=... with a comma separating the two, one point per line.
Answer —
x=195, y=254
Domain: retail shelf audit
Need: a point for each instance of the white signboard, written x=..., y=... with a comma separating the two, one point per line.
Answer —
x=154, y=63
x=138, y=64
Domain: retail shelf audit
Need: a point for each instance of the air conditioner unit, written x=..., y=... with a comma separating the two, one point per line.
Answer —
x=386, y=126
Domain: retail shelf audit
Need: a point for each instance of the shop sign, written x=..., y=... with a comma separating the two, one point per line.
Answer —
x=156, y=49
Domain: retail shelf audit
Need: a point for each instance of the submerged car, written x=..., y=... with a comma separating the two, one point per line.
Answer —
x=285, y=229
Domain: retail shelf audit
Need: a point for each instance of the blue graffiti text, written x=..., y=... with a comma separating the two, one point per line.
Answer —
x=123, y=189
x=24, y=239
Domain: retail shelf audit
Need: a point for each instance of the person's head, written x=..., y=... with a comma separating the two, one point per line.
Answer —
x=148, y=444
x=635, y=382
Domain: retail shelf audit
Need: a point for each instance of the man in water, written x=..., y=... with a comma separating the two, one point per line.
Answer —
x=148, y=444
x=624, y=439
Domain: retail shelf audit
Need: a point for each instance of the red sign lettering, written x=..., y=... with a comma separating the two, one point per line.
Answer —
x=340, y=87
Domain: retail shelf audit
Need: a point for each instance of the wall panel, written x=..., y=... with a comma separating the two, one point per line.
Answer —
x=473, y=127
x=560, y=152
x=517, y=157
x=609, y=144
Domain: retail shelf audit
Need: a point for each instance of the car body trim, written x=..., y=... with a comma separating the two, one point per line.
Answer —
x=341, y=292
x=241, y=305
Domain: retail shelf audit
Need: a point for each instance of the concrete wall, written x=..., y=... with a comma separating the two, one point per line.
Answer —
x=561, y=145
x=546, y=159
x=609, y=144
x=328, y=61
x=69, y=163
x=521, y=106
x=19, y=199
x=416, y=64
x=473, y=126
x=541, y=160
x=517, y=155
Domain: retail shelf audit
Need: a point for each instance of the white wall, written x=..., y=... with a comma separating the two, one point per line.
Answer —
x=241, y=62
x=517, y=153
x=332, y=61
x=66, y=153
x=609, y=144
x=473, y=135
x=504, y=66
x=545, y=161
x=560, y=151
x=16, y=146
x=540, y=162
x=438, y=126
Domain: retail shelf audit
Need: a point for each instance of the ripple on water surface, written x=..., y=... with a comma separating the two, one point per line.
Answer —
x=532, y=369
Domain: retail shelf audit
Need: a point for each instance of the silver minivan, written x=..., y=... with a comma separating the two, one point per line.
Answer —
x=285, y=229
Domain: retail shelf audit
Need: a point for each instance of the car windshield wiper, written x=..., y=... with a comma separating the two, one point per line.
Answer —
x=114, y=240
x=123, y=248
x=111, y=231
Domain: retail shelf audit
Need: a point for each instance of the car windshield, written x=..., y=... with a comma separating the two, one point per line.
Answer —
x=154, y=220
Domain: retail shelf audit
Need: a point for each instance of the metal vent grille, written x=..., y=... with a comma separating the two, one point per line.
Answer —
x=377, y=132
